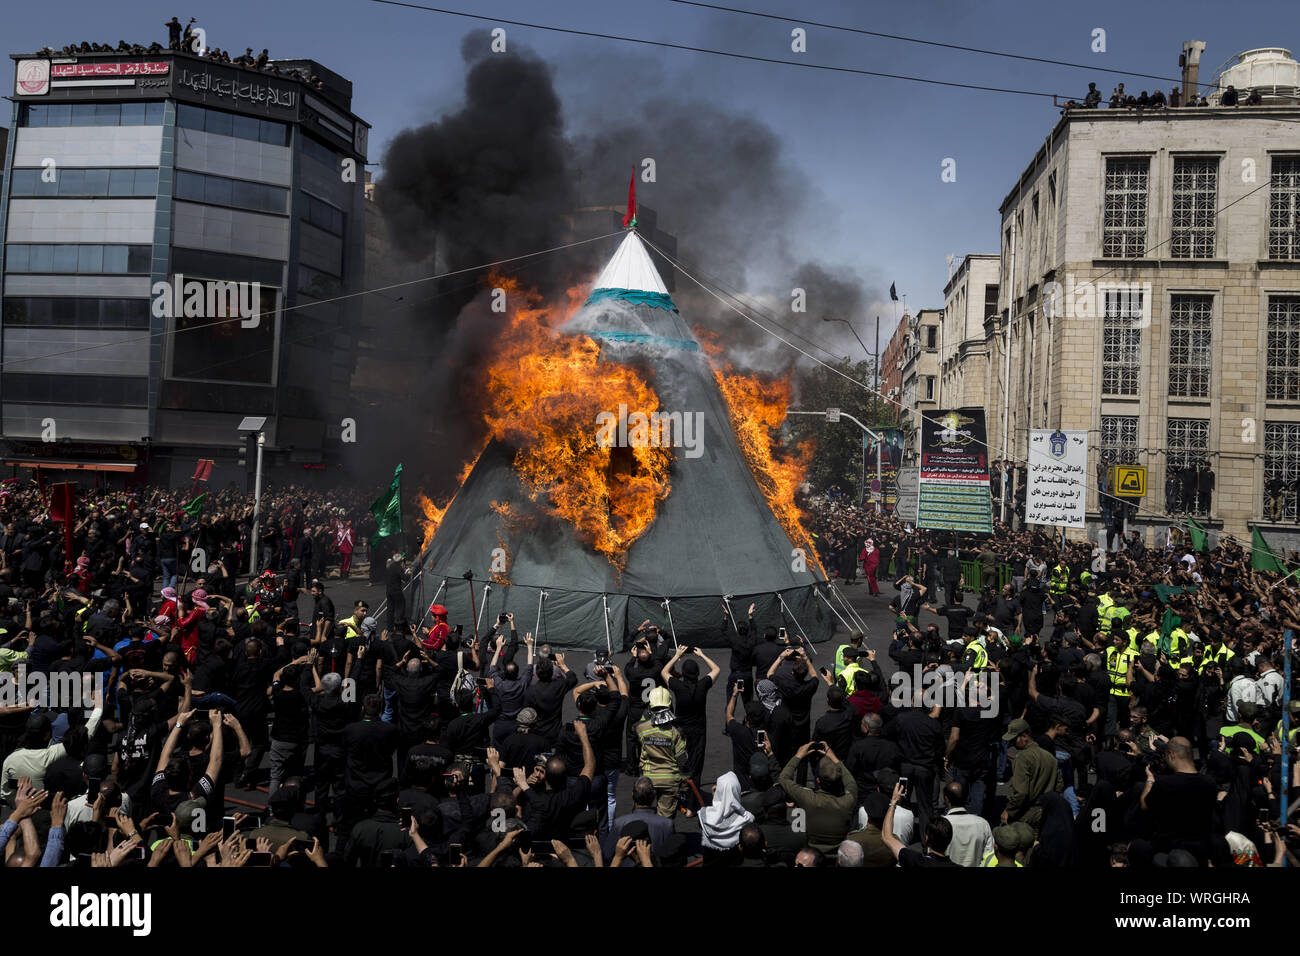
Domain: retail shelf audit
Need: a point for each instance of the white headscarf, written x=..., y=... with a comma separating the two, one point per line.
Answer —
x=720, y=823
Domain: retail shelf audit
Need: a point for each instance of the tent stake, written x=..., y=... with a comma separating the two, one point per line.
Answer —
x=797, y=625
x=537, y=628
x=726, y=602
x=671, y=629
x=604, y=600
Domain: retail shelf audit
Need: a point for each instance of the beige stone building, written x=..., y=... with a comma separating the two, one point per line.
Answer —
x=970, y=296
x=920, y=371
x=1149, y=290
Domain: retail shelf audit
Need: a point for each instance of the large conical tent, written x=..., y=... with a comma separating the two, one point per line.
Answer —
x=713, y=536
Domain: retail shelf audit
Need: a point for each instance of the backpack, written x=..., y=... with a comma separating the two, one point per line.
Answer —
x=464, y=680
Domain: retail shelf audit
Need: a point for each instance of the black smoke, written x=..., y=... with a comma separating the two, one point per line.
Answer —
x=502, y=175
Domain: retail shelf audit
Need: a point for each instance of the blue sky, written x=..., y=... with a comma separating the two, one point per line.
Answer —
x=871, y=149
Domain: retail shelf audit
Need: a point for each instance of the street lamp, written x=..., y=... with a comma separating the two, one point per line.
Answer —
x=833, y=415
x=252, y=423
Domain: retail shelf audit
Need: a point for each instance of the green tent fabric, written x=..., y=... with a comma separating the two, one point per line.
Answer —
x=387, y=509
x=1262, y=557
x=714, y=536
x=1198, y=534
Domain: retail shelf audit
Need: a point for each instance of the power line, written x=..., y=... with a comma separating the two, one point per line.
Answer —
x=1151, y=512
x=664, y=44
x=947, y=46
x=309, y=305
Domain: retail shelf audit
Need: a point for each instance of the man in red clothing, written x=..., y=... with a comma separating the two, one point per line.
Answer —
x=870, y=562
x=345, y=540
x=440, y=631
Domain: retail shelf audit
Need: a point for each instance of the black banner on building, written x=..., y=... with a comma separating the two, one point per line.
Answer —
x=954, y=478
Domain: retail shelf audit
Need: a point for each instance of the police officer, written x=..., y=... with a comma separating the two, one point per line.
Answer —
x=1119, y=669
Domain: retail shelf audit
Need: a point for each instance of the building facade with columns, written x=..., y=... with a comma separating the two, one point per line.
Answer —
x=1149, y=293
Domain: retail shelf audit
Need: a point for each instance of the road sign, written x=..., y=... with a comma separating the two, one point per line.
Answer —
x=832, y=414
x=875, y=486
x=1128, y=481
x=906, y=508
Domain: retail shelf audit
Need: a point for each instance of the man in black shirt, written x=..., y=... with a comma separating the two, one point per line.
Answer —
x=955, y=613
x=950, y=571
x=369, y=745
x=836, y=726
x=413, y=682
x=289, y=729
x=1180, y=804
x=546, y=695
x=549, y=808
x=797, y=691
x=333, y=714
x=395, y=578
x=743, y=640
x=921, y=739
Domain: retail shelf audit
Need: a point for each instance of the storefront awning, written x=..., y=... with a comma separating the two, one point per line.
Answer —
x=59, y=464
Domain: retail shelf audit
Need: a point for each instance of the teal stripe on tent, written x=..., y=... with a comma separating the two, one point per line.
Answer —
x=659, y=300
x=685, y=345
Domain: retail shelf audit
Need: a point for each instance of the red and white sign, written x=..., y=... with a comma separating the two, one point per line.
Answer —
x=33, y=78
x=66, y=71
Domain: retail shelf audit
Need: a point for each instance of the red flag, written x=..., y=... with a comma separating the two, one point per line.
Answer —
x=631, y=202
x=203, y=471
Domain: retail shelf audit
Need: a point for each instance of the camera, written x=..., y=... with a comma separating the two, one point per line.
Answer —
x=502, y=618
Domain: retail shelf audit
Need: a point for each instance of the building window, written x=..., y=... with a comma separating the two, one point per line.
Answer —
x=1282, y=382
x=1283, y=209
x=229, y=124
x=929, y=388
x=1190, y=340
x=238, y=193
x=1124, y=230
x=90, y=183
x=73, y=259
x=1196, y=193
x=111, y=390
x=322, y=214
x=319, y=152
x=931, y=337
x=35, y=115
x=76, y=312
x=1119, y=439
x=1121, y=347
x=1282, y=471
x=1187, y=441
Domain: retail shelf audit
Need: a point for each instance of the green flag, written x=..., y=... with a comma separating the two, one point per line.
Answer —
x=195, y=506
x=1198, y=534
x=1262, y=557
x=387, y=510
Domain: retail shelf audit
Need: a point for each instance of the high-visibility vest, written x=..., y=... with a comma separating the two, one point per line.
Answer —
x=1060, y=579
x=1221, y=656
x=1117, y=667
x=981, y=659
x=353, y=627
x=1133, y=645
x=992, y=860
x=1232, y=730
x=850, y=675
x=1294, y=733
x=1179, y=645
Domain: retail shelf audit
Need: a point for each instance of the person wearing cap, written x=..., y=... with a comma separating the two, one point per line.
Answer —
x=663, y=754
x=1119, y=668
x=841, y=652
x=1034, y=772
x=1006, y=843
x=352, y=623
x=440, y=631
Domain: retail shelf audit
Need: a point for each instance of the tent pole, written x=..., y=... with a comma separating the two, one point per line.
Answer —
x=848, y=608
x=604, y=600
x=672, y=630
x=726, y=602
x=847, y=627
x=487, y=587
x=803, y=637
x=537, y=628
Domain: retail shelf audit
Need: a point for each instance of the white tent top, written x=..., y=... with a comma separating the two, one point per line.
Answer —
x=631, y=268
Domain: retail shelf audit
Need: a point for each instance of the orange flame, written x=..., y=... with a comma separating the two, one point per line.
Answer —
x=544, y=393
x=431, y=514
x=757, y=407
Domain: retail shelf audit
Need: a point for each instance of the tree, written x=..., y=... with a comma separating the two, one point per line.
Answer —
x=838, y=458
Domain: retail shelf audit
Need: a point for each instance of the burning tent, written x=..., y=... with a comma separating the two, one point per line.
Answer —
x=584, y=527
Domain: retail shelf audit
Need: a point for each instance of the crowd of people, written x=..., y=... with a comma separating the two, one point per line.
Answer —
x=1157, y=100
x=184, y=39
x=205, y=720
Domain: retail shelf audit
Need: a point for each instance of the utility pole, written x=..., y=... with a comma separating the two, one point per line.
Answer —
x=1006, y=363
